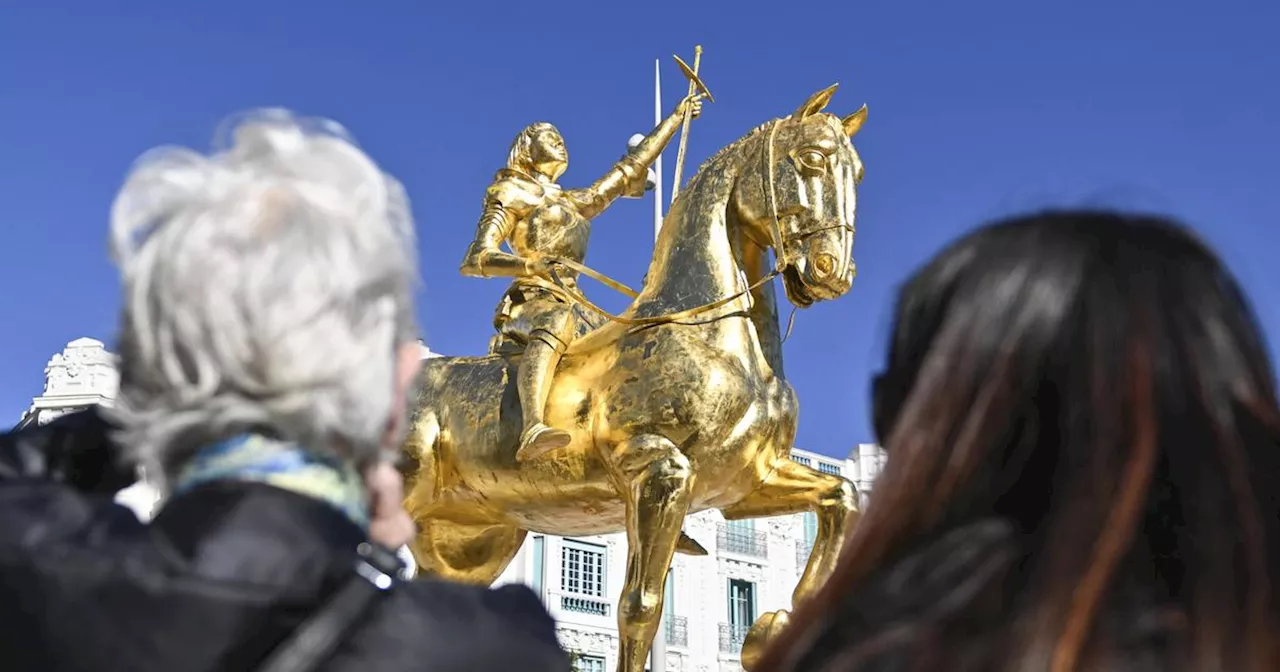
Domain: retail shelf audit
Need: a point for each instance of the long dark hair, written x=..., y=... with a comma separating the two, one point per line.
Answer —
x=1083, y=470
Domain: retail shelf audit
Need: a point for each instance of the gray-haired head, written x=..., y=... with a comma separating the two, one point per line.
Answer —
x=267, y=286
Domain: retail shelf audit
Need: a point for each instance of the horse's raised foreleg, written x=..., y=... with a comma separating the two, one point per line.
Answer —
x=795, y=488
x=657, y=482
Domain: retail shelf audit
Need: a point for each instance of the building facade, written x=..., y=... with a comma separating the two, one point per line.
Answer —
x=82, y=375
x=751, y=568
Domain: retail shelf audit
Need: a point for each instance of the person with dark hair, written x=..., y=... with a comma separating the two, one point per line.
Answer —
x=1083, y=466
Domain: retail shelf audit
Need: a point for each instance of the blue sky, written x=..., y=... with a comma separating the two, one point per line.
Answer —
x=977, y=109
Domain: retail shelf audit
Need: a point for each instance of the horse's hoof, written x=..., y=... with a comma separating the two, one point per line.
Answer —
x=763, y=631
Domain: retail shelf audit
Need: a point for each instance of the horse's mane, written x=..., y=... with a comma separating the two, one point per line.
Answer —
x=727, y=149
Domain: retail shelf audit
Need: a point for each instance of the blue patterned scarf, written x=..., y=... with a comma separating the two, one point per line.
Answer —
x=258, y=459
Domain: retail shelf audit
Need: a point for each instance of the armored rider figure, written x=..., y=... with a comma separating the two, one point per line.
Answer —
x=540, y=221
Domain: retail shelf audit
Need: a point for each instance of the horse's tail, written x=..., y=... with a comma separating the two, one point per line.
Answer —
x=421, y=446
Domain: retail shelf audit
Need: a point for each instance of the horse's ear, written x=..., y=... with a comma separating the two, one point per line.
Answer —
x=853, y=123
x=817, y=102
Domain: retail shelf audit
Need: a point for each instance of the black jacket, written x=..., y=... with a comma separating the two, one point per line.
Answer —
x=219, y=577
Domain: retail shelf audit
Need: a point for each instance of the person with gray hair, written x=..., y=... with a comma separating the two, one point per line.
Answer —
x=268, y=347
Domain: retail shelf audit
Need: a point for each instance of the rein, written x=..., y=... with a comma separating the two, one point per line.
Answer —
x=559, y=286
x=575, y=294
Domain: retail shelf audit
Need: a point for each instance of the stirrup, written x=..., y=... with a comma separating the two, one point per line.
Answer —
x=539, y=440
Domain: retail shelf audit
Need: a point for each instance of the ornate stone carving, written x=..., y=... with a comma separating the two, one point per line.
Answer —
x=780, y=526
x=587, y=643
x=84, y=367
x=82, y=375
x=737, y=569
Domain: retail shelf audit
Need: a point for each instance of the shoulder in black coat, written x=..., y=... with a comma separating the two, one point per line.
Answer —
x=221, y=576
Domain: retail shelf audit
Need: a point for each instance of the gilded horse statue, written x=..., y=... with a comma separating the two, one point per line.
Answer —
x=678, y=405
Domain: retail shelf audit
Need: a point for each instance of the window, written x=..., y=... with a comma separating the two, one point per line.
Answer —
x=589, y=664
x=810, y=528
x=801, y=459
x=828, y=468
x=742, y=604
x=582, y=571
x=582, y=578
x=669, y=595
x=676, y=628
x=539, y=563
x=742, y=611
x=804, y=547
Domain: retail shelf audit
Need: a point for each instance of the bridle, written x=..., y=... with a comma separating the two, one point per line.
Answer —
x=781, y=252
x=782, y=259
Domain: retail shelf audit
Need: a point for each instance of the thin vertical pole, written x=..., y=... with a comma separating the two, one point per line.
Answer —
x=658, y=653
x=657, y=165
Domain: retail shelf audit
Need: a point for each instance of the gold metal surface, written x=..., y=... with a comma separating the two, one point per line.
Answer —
x=541, y=222
x=688, y=410
x=694, y=84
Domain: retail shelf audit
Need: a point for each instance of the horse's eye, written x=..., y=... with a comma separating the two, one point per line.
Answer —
x=812, y=160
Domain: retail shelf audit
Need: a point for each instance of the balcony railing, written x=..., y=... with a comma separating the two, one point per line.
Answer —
x=803, y=550
x=828, y=468
x=742, y=541
x=584, y=605
x=677, y=631
x=731, y=637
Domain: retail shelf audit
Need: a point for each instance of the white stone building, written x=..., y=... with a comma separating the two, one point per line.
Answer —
x=82, y=375
x=752, y=566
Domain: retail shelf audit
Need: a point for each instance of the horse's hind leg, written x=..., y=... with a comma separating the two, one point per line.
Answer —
x=471, y=553
x=657, y=481
x=795, y=488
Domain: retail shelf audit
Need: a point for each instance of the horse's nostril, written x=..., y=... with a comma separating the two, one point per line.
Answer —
x=824, y=265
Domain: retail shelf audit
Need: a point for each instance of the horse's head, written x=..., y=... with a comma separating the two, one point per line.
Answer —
x=800, y=198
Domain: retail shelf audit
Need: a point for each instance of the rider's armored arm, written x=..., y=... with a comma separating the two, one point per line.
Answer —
x=485, y=257
x=631, y=171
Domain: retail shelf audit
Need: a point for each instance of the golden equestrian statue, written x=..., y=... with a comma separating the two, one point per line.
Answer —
x=678, y=405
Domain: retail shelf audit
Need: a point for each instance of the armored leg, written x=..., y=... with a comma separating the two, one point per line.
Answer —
x=537, y=369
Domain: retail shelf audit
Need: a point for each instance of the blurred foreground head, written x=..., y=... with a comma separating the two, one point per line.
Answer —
x=1083, y=470
x=268, y=288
